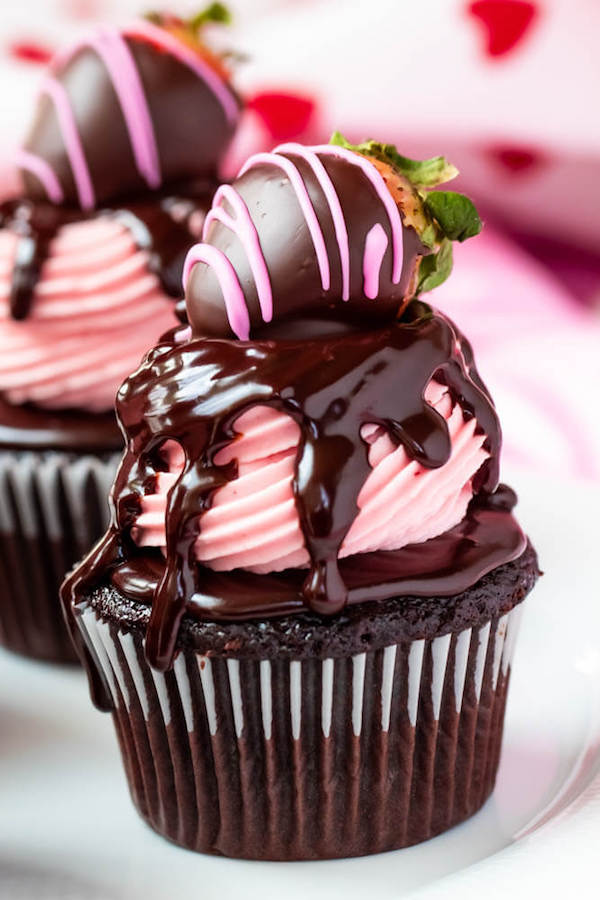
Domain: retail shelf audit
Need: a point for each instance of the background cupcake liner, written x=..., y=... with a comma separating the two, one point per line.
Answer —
x=279, y=759
x=53, y=507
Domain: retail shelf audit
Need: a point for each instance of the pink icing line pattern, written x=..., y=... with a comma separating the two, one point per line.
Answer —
x=43, y=172
x=244, y=227
x=375, y=246
x=68, y=127
x=339, y=223
x=190, y=59
x=233, y=295
x=304, y=200
x=112, y=49
x=384, y=195
x=118, y=59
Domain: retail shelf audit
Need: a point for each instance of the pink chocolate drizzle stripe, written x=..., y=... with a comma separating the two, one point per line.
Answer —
x=243, y=226
x=375, y=246
x=156, y=35
x=233, y=295
x=305, y=204
x=339, y=222
x=42, y=171
x=125, y=78
x=384, y=195
x=68, y=127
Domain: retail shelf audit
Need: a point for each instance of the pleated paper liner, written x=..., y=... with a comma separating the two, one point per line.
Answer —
x=53, y=507
x=309, y=759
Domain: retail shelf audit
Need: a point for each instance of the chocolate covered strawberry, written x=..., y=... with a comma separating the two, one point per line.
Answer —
x=131, y=109
x=335, y=235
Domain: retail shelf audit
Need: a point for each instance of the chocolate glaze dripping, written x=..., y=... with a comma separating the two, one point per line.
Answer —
x=194, y=392
x=444, y=566
x=36, y=227
x=149, y=220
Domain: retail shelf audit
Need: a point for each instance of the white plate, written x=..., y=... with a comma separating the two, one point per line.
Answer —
x=68, y=830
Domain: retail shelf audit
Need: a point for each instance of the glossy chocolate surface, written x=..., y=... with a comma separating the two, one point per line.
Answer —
x=193, y=392
x=268, y=199
x=188, y=123
x=446, y=565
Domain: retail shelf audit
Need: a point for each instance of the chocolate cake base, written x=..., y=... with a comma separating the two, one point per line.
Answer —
x=314, y=738
x=53, y=507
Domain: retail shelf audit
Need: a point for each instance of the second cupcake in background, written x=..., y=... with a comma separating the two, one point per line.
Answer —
x=118, y=172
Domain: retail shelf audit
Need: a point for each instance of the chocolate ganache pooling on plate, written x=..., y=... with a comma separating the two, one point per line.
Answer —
x=372, y=369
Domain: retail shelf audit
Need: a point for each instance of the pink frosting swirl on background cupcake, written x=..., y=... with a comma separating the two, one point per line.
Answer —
x=253, y=522
x=96, y=308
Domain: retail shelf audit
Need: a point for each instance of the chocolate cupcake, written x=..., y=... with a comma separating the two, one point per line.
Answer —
x=91, y=259
x=303, y=614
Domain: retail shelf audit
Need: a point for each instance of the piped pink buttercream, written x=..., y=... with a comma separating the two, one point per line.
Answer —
x=96, y=309
x=253, y=522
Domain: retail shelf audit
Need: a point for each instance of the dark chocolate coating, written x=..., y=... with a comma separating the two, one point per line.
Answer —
x=291, y=260
x=190, y=126
x=193, y=392
x=31, y=428
x=445, y=565
x=366, y=625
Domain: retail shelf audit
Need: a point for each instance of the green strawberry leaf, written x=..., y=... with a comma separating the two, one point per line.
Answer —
x=215, y=12
x=455, y=214
x=436, y=268
x=445, y=216
x=426, y=173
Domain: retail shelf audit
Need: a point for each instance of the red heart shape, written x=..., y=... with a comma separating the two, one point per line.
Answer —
x=515, y=159
x=285, y=115
x=28, y=51
x=505, y=22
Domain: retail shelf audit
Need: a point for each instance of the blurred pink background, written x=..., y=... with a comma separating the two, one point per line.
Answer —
x=507, y=89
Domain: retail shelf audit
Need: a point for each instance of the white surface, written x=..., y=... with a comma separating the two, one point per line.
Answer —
x=68, y=830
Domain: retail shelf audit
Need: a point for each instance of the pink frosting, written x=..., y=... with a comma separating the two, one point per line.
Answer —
x=96, y=309
x=253, y=522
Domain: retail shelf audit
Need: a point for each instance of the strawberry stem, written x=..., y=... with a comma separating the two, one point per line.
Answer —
x=215, y=12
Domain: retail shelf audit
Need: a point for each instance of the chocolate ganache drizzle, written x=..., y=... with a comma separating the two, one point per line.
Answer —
x=277, y=261
x=149, y=219
x=194, y=391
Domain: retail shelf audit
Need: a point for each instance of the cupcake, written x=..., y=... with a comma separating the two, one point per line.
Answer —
x=91, y=259
x=303, y=614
